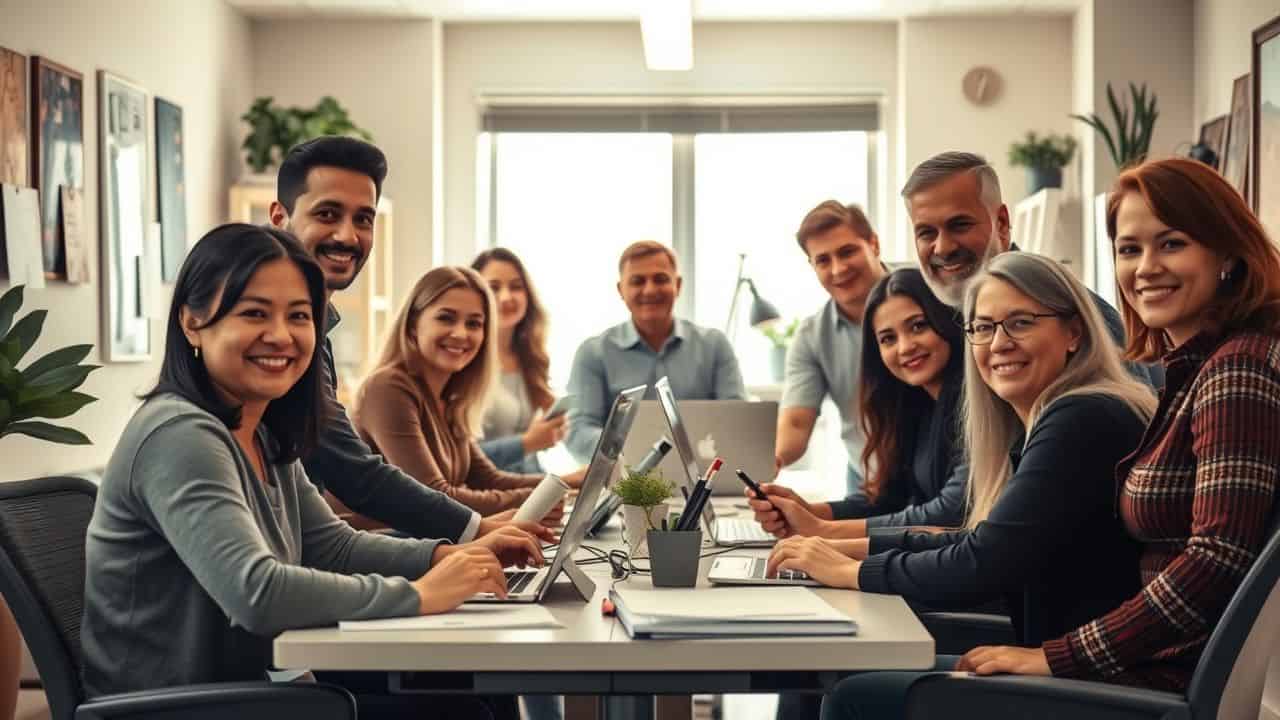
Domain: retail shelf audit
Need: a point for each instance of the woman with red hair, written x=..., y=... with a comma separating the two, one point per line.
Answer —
x=1200, y=289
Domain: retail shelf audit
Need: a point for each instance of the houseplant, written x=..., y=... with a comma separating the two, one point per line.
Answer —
x=44, y=389
x=1135, y=120
x=644, y=504
x=781, y=340
x=274, y=129
x=1044, y=157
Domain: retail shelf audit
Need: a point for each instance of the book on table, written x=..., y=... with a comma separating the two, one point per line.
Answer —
x=648, y=612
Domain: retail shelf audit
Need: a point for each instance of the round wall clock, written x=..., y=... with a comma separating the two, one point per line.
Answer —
x=981, y=85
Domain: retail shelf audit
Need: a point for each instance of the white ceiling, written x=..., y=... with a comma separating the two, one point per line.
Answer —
x=629, y=10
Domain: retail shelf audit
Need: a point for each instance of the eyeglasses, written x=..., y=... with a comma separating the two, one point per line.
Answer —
x=1017, y=326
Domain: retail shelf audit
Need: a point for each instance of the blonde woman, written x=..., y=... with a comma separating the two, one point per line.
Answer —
x=1041, y=378
x=422, y=405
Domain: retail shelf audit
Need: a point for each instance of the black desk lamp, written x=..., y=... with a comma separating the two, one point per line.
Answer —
x=763, y=313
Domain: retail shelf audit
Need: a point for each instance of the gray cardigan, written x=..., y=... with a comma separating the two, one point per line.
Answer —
x=192, y=563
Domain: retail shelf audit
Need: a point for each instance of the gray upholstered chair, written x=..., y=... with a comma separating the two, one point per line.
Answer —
x=1227, y=683
x=42, y=537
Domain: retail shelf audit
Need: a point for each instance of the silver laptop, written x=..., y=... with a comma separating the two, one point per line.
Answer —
x=528, y=586
x=739, y=431
x=745, y=570
x=725, y=532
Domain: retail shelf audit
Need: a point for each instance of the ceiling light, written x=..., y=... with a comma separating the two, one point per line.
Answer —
x=666, y=27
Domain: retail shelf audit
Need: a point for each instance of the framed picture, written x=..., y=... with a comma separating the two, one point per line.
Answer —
x=57, y=136
x=122, y=199
x=13, y=119
x=1266, y=125
x=1235, y=163
x=171, y=188
x=1212, y=134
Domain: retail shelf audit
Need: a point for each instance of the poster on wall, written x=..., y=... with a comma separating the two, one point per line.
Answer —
x=1235, y=162
x=1266, y=125
x=123, y=196
x=1212, y=134
x=171, y=189
x=13, y=119
x=57, y=134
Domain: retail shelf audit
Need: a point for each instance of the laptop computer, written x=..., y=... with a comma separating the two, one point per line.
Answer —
x=529, y=586
x=725, y=532
x=740, y=431
x=746, y=570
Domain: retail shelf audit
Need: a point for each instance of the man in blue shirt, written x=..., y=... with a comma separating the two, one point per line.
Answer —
x=825, y=355
x=698, y=361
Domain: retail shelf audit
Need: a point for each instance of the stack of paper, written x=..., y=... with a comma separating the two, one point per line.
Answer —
x=647, y=612
x=467, y=617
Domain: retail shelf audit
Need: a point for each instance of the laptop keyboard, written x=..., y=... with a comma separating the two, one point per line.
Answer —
x=762, y=564
x=518, y=580
x=739, y=530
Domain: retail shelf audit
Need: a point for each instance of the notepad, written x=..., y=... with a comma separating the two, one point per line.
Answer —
x=466, y=617
x=647, y=612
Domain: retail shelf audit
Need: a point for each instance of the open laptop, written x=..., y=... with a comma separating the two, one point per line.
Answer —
x=529, y=586
x=739, y=431
x=747, y=570
x=725, y=532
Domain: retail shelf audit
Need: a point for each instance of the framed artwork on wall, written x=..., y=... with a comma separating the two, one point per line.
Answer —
x=1212, y=134
x=13, y=119
x=57, y=137
x=124, y=217
x=1235, y=162
x=171, y=189
x=1266, y=125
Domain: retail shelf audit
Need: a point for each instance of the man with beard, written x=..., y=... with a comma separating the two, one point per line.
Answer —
x=960, y=222
x=699, y=361
x=326, y=195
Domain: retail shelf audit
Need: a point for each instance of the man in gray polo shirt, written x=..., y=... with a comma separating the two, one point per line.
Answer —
x=825, y=355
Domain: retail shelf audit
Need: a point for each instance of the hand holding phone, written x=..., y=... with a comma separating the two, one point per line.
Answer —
x=752, y=485
x=560, y=406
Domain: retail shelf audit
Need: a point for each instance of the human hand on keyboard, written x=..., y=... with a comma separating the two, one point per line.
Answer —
x=815, y=557
x=512, y=546
x=469, y=570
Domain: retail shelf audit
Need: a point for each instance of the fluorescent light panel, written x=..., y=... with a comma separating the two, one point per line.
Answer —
x=666, y=27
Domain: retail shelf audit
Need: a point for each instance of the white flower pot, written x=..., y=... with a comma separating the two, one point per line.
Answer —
x=635, y=524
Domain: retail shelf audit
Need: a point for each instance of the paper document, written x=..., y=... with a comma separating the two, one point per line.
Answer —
x=727, y=603
x=466, y=617
x=21, y=235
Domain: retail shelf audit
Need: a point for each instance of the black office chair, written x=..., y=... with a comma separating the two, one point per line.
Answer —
x=42, y=536
x=1227, y=683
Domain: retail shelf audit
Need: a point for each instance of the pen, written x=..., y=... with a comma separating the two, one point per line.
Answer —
x=688, y=517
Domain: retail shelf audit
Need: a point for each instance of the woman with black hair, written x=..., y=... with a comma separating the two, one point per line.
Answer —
x=207, y=538
x=910, y=388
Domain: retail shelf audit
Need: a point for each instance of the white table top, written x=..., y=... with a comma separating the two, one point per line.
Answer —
x=889, y=637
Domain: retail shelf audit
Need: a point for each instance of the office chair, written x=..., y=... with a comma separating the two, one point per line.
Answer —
x=43, y=523
x=1227, y=683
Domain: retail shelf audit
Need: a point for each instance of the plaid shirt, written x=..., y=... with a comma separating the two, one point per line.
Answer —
x=1198, y=493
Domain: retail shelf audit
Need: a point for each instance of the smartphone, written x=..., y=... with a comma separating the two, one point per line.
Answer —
x=560, y=406
x=752, y=484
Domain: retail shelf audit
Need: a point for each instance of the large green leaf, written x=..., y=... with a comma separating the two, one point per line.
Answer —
x=45, y=431
x=54, y=382
x=8, y=376
x=24, y=334
x=10, y=302
x=54, y=407
x=56, y=359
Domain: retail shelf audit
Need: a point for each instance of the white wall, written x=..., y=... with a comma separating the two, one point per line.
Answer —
x=608, y=57
x=381, y=72
x=1032, y=56
x=1223, y=42
x=196, y=54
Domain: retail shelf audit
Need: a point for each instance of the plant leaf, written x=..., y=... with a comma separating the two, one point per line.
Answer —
x=10, y=302
x=23, y=334
x=8, y=375
x=54, y=407
x=54, y=382
x=58, y=358
x=1095, y=122
x=46, y=431
x=4, y=413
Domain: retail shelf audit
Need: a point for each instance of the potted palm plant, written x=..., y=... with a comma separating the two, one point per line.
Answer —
x=275, y=129
x=1135, y=120
x=1043, y=157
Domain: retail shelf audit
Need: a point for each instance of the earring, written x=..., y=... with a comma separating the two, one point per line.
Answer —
x=1226, y=273
x=195, y=350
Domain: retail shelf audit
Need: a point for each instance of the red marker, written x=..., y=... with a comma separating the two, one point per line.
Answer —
x=711, y=471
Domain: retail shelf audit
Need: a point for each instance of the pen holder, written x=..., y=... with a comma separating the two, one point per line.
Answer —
x=673, y=557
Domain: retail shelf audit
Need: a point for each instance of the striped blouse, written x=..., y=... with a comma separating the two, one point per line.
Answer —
x=1198, y=494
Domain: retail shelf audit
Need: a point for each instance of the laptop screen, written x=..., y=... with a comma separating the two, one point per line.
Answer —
x=680, y=437
x=603, y=460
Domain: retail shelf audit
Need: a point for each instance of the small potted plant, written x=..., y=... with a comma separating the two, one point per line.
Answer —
x=781, y=340
x=644, y=505
x=274, y=129
x=1044, y=158
x=1135, y=120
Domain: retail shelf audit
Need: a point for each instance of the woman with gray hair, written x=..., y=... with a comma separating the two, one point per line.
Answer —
x=1041, y=378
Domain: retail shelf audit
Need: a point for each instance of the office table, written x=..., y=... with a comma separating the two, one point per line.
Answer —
x=592, y=654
